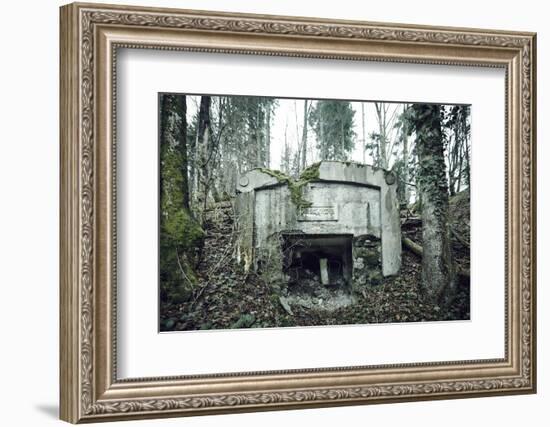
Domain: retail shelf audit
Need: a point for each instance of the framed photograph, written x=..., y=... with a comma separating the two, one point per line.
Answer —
x=267, y=212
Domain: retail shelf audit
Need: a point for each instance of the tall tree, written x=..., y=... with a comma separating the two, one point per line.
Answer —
x=387, y=117
x=234, y=155
x=204, y=150
x=381, y=112
x=180, y=234
x=174, y=150
x=268, y=136
x=438, y=273
x=286, y=154
x=257, y=148
x=332, y=122
x=456, y=128
x=246, y=139
x=402, y=166
x=363, y=132
x=297, y=158
x=182, y=107
x=304, y=136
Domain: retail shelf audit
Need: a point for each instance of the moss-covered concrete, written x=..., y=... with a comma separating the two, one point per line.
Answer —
x=367, y=262
x=296, y=186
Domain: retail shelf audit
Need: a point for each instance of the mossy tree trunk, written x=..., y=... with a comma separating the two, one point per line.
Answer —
x=438, y=275
x=180, y=234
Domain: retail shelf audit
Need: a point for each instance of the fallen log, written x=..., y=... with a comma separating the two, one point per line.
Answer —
x=415, y=248
x=418, y=250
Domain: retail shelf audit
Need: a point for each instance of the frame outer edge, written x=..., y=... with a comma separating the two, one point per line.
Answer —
x=303, y=19
x=533, y=207
x=69, y=355
x=77, y=340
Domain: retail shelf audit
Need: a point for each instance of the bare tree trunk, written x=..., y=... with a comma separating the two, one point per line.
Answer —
x=438, y=274
x=467, y=159
x=203, y=147
x=304, y=137
x=268, y=138
x=259, y=148
x=460, y=159
x=285, y=158
x=382, y=143
x=452, y=164
x=363, y=125
x=324, y=149
x=343, y=143
x=192, y=160
x=405, y=137
x=297, y=159
x=182, y=107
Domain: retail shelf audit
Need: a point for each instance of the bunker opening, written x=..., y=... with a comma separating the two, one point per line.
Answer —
x=323, y=260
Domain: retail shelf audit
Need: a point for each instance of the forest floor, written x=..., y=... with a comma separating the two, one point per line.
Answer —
x=227, y=297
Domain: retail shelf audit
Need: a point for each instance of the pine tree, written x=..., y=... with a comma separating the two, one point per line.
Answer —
x=332, y=122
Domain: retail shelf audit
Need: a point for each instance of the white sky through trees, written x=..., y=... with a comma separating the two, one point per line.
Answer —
x=288, y=118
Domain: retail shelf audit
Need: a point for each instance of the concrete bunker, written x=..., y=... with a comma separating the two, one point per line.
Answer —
x=337, y=227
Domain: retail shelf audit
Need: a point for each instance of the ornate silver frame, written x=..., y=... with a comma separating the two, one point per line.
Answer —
x=90, y=36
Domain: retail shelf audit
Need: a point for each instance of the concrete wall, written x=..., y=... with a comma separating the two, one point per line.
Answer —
x=347, y=198
x=337, y=208
x=389, y=206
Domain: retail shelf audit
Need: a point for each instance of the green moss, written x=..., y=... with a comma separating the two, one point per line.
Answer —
x=181, y=228
x=372, y=258
x=181, y=236
x=280, y=176
x=311, y=173
x=375, y=278
x=274, y=299
x=296, y=186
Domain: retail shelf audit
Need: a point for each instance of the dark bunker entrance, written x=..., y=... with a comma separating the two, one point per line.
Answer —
x=312, y=260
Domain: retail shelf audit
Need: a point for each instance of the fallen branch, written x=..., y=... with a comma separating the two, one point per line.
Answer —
x=198, y=295
x=418, y=250
x=415, y=248
x=181, y=268
x=286, y=305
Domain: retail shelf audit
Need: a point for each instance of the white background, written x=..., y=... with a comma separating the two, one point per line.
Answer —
x=29, y=171
x=141, y=348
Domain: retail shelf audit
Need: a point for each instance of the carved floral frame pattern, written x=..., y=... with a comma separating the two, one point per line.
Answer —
x=79, y=398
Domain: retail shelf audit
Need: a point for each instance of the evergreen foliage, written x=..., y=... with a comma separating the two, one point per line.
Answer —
x=332, y=122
